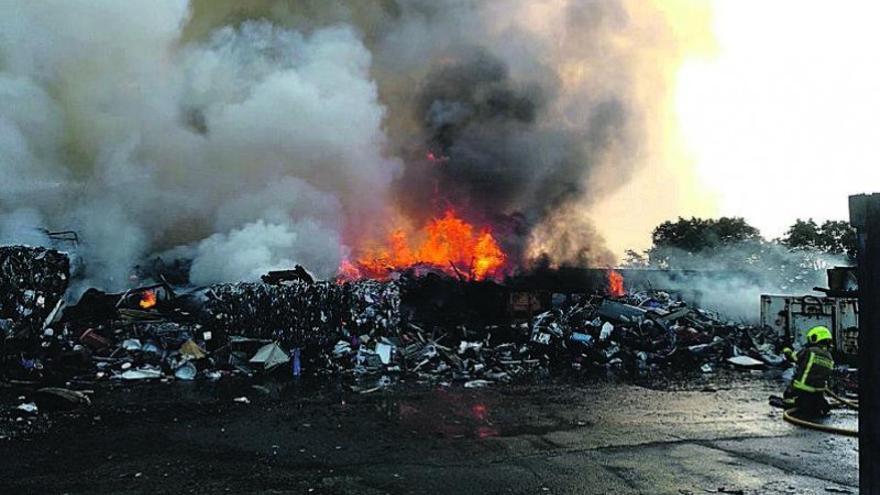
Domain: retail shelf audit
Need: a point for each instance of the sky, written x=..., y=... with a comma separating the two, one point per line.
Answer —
x=778, y=120
x=782, y=122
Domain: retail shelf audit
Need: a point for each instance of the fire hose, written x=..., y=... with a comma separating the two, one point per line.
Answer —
x=789, y=415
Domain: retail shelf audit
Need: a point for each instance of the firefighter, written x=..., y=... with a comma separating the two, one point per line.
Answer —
x=814, y=363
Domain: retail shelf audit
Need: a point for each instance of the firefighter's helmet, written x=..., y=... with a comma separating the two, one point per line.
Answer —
x=817, y=335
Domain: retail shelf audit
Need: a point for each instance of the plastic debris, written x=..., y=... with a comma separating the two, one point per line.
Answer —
x=296, y=362
x=186, y=371
x=384, y=352
x=745, y=361
x=477, y=383
x=131, y=344
x=145, y=373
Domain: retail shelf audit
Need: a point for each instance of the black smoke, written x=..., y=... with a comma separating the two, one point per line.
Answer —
x=494, y=153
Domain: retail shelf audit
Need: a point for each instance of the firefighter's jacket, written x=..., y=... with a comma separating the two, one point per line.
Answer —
x=814, y=366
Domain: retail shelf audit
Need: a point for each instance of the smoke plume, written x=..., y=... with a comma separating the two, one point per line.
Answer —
x=255, y=135
x=730, y=279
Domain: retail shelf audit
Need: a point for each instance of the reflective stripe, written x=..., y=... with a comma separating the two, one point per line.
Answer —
x=803, y=386
x=823, y=362
x=801, y=383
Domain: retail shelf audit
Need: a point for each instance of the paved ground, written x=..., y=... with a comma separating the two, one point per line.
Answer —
x=546, y=438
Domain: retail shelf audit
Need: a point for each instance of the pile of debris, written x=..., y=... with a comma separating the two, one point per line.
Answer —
x=423, y=327
x=152, y=332
x=639, y=334
x=299, y=313
x=33, y=281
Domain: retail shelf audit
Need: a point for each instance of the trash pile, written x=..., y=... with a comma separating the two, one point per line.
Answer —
x=639, y=334
x=152, y=332
x=375, y=332
x=32, y=284
x=301, y=314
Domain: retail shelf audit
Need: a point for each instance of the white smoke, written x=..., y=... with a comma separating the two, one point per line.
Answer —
x=254, y=147
x=731, y=279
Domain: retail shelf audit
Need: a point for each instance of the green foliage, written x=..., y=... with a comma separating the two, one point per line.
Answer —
x=833, y=236
x=687, y=243
x=698, y=234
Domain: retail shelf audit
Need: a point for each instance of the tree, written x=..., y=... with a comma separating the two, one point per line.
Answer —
x=803, y=234
x=833, y=237
x=689, y=243
x=699, y=234
x=635, y=259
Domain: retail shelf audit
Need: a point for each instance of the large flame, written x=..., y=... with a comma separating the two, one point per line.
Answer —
x=447, y=243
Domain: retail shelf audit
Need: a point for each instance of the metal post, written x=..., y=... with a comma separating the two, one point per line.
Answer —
x=864, y=213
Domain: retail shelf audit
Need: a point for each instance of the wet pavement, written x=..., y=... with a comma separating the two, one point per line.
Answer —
x=716, y=436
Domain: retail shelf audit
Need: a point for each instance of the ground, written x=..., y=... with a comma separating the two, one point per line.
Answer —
x=549, y=436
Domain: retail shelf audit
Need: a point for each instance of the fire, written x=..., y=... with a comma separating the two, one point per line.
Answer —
x=447, y=243
x=347, y=271
x=148, y=299
x=615, y=284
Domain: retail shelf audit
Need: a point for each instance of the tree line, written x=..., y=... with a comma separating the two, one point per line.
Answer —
x=730, y=243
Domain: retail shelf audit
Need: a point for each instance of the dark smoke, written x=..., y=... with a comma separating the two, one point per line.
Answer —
x=496, y=152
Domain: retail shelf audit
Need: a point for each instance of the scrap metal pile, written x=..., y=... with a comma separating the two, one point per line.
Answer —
x=422, y=328
x=32, y=282
x=301, y=314
x=638, y=334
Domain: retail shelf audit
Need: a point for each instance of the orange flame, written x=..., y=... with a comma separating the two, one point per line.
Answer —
x=448, y=243
x=615, y=284
x=347, y=271
x=148, y=299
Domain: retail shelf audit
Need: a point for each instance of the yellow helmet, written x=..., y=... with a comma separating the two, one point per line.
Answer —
x=818, y=334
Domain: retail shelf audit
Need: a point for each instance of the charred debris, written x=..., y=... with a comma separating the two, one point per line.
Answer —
x=426, y=328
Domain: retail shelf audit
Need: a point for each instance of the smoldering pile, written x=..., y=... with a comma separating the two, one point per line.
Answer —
x=428, y=328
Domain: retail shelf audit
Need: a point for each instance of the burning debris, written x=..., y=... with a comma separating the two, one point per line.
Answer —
x=148, y=299
x=615, y=284
x=449, y=244
x=434, y=328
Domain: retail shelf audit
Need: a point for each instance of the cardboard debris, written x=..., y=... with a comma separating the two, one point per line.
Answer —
x=191, y=350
